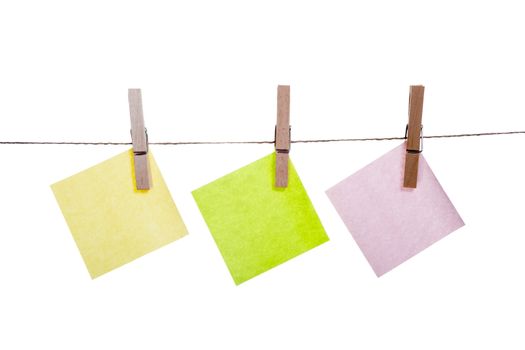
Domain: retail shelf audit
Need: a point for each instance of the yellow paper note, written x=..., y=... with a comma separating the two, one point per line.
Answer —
x=257, y=226
x=112, y=222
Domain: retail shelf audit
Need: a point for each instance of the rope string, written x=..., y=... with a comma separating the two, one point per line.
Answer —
x=179, y=143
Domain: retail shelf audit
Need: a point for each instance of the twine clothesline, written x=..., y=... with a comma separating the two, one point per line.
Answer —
x=180, y=143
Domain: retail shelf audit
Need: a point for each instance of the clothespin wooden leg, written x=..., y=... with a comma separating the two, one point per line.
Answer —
x=411, y=167
x=281, y=169
x=140, y=140
x=415, y=116
x=142, y=167
x=282, y=136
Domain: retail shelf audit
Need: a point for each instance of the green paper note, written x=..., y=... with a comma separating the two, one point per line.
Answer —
x=257, y=226
x=111, y=221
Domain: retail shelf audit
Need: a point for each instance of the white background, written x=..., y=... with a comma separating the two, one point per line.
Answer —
x=208, y=71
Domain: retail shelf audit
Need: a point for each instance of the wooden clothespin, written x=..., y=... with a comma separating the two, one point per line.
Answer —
x=139, y=138
x=414, y=135
x=282, y=136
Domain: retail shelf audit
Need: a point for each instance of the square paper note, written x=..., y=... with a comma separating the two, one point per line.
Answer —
x=391, y=223
x=112, y=222
x=255, y=225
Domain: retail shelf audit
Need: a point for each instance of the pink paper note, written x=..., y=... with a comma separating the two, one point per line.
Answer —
x=391, y=223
